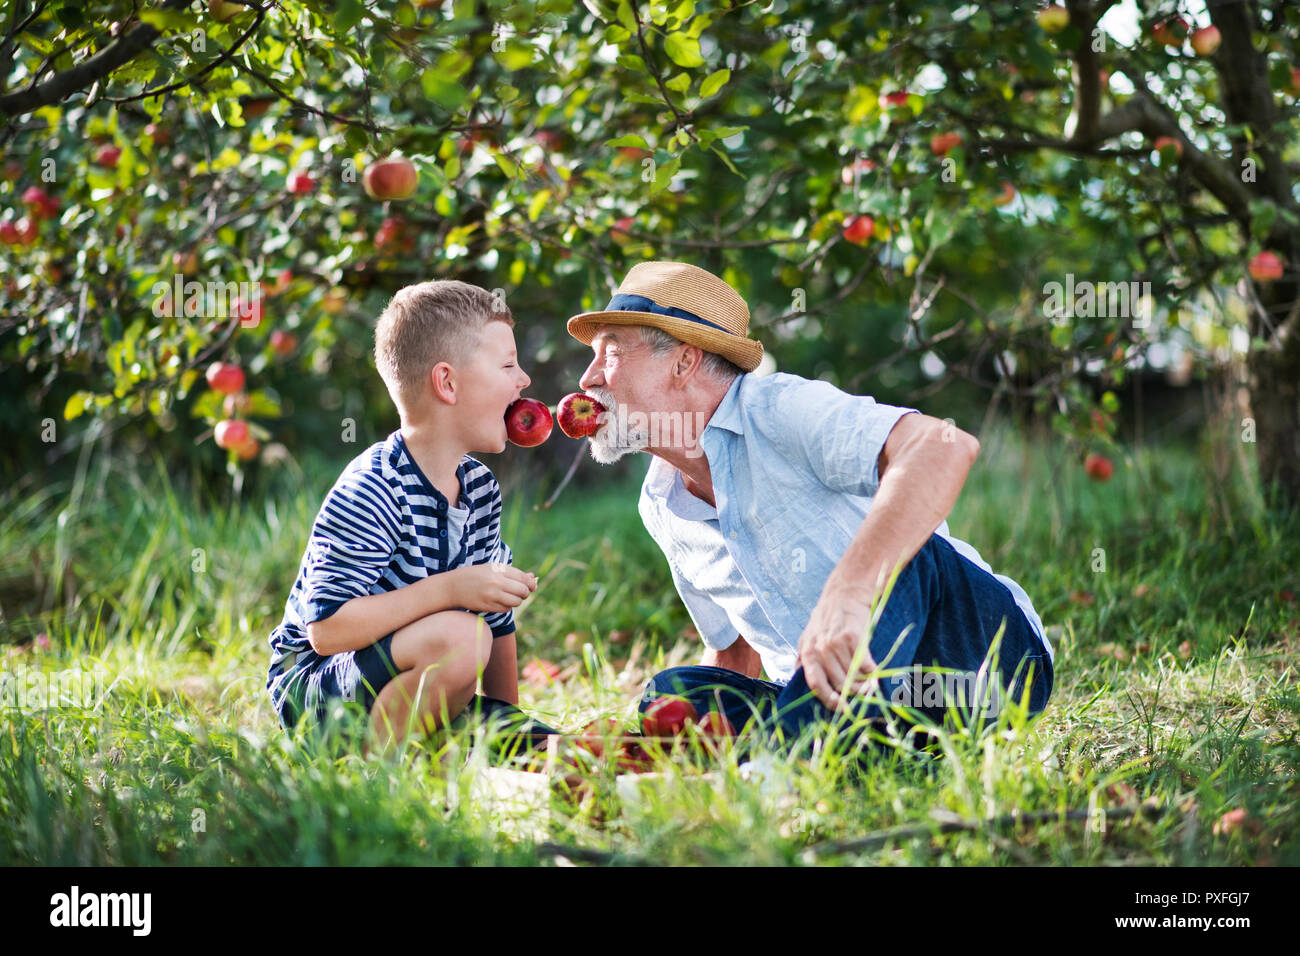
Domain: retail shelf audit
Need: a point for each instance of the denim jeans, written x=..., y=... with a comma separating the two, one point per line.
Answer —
x=944, y=611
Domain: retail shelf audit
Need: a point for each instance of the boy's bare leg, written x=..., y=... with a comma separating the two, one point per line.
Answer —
x=439, y=658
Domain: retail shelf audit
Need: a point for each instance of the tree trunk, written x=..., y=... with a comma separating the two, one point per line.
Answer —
x=1275, y=405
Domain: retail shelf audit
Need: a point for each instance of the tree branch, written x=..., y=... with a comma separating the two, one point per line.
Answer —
x=186, y=81
x=126, y=47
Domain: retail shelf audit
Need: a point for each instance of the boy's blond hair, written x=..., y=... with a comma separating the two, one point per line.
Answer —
x=428, y=323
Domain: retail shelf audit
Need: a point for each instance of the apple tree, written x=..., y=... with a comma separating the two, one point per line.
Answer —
x=1025, y=197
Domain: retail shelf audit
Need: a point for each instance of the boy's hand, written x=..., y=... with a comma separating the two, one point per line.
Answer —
x=491, y=587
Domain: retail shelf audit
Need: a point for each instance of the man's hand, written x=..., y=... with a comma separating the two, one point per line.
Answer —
x=833, y=650
x=491, y=588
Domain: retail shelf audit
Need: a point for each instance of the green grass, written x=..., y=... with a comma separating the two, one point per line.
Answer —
x=1176, y=677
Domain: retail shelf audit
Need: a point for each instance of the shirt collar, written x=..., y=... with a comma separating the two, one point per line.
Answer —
x=727, y=415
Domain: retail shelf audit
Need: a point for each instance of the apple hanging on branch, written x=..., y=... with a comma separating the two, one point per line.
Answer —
x=225, y=377
x=1053, y=19
x=1266, y=266
x=108, y=156
x=392, y=178
x=1098, y=467
x=942, y=143
x=858, y=229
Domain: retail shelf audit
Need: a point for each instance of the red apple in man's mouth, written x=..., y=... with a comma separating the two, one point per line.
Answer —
x=579, y=415
x=528, y=422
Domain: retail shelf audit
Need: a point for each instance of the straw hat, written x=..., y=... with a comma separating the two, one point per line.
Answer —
x=686, y=302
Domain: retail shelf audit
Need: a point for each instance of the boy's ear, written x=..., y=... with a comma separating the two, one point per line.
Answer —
x=444, y=382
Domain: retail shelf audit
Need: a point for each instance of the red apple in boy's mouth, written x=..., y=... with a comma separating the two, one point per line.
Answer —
x=579, y=415
x=528, y=422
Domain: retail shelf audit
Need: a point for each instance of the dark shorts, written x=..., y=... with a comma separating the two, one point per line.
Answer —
x=352, y=677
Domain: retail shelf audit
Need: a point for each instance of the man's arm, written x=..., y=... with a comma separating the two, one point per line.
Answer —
x=922, y=468
x=739, y=657
x=501, y=675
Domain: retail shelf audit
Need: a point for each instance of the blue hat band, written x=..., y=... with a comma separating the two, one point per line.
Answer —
x=627, y=302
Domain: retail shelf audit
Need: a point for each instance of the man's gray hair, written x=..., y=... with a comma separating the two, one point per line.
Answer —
x=713, y=365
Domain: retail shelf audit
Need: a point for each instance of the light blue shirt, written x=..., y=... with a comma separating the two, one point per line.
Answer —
x=795, y=468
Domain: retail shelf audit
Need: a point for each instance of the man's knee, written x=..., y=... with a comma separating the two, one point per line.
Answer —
x=674, y=681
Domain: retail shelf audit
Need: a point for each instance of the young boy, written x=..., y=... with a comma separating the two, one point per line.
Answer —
x=405, y=592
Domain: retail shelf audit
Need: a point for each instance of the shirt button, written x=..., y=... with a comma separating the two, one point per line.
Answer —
x=766, y=595
x=732, y=535
x=442, y=532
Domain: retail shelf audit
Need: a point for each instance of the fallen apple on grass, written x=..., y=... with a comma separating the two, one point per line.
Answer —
x=668, y=717
x=597, y=733
x=579, y=415
x=716, y=726
x=528, y=422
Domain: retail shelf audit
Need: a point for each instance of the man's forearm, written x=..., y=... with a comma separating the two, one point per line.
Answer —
x=917, y=492
x=363, y=620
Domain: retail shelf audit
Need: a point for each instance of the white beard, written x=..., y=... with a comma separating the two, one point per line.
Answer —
x=612, y=442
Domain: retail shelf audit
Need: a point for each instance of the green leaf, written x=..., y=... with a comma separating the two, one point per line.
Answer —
x=625, y=15
x=714, y=82
x=1263, y=214
x=679, y=83
x=445, y=93
x=630, y=139
x=683, y=50
x=664, y=173
x=517, y=56
x=537, y=204
x=75, y=406
x=508, y=165
x=164, y=20
x=347, y=15
x=721, y=153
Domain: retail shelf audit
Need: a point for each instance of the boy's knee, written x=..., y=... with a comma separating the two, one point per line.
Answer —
x=456, y=642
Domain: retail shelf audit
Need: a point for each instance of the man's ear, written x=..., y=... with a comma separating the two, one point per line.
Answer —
x=687, y=361
x=444, y=382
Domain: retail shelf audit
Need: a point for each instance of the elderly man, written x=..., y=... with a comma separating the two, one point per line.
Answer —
x=784, y=506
